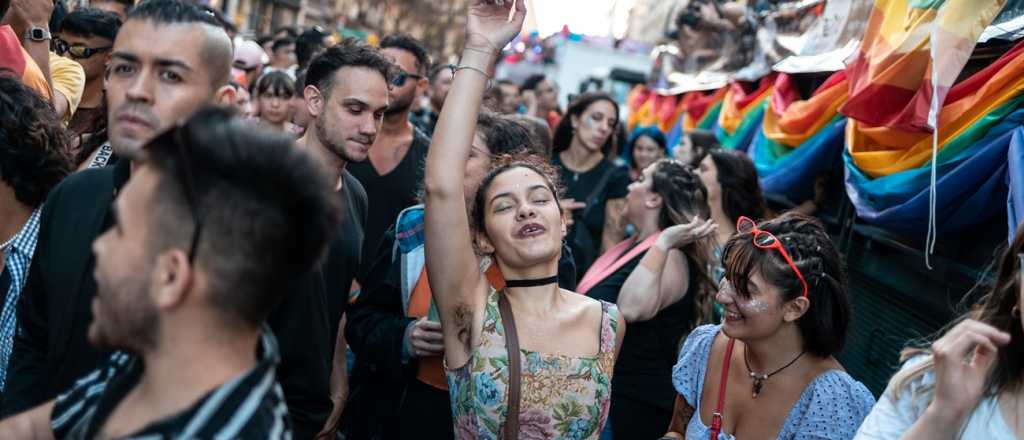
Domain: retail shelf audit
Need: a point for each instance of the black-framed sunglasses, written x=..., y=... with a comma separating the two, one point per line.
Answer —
x=184, y=156
x=399, y=79
x=77, y=51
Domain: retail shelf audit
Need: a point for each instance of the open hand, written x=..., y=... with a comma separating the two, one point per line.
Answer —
x=677, y=236
x=963, y=358
x=489, y=26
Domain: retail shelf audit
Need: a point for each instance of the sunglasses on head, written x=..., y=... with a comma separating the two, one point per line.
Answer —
x=76, y=51
x=399, y=79
x=765, y=240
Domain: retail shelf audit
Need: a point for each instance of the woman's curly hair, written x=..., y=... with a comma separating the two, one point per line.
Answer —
x=34, y=154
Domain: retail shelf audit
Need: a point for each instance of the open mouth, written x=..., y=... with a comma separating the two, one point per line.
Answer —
x=531, y=230
x=731, y=316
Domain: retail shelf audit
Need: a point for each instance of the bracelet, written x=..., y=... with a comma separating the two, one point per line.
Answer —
x=456, y=69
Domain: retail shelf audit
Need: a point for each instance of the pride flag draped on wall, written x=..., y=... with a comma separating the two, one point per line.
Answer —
x=891, y=79
x=800, y=139
x=699, y=111
x=971, y=107
x=742, y=113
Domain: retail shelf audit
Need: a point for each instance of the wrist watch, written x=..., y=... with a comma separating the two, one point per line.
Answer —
x=36, y=33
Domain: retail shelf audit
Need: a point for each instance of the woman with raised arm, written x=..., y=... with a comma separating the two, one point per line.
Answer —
x=552, y=379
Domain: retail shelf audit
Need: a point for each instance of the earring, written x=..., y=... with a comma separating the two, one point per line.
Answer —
x=1015, y=311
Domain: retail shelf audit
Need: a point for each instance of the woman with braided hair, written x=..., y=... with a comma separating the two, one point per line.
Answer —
x=769, y=369
x=660, y=280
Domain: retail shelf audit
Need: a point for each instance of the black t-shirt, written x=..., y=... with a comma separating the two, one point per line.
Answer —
x=643, y=371
x=579, y=186
x=344, y=252
x=389, y=194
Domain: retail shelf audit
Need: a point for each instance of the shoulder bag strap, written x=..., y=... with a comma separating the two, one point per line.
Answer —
x=598, y=189
x=514, y=367
x=716, y=418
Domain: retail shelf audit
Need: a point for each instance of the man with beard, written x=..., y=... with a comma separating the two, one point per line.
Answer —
x=186, y=278
x=168, y=60
x=346, y=93
x=394, y=170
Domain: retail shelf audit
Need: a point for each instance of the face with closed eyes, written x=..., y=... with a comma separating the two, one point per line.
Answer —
x=524, y=224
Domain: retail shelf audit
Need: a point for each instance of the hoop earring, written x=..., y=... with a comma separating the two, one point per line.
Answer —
x=1015, y=311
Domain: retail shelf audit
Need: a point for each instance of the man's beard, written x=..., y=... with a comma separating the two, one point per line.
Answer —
x=400, y=105
x=338, y=148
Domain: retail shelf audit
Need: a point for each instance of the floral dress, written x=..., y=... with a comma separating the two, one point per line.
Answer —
x=562, y=397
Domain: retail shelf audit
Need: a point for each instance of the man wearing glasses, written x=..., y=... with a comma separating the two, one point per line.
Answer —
x=86, y=36
x=394, y=170
x=186, y=278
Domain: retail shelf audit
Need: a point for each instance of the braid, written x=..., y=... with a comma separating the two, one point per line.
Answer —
x=684, y=197
x=825, y=322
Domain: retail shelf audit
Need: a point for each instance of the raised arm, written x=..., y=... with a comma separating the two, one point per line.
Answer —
x=458, y=288
x=662, y=275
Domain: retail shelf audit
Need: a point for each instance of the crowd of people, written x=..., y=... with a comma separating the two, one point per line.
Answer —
x=209, y=236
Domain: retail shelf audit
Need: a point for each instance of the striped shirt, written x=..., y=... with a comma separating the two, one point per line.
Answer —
x=17, y=259
x=250, y=406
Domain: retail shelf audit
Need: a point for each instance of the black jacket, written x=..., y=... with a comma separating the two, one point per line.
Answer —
x=51, y=350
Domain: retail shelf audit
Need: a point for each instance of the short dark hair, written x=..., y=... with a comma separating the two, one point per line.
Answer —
x=60, y=11
x=564, y=131
x=503, y=135
x=34, y=154
x=264, y=39
x=531, y=82
x=281, y=43
x=308, y=44
x=267, y=209
x=825, y=324
x=215, y=57
x=300, y=81
x=222, y=20
x=4, y=6
x=172, y=12
x=702, y=142
x=274, y=83
x=350, y=53
x=88, y=22
x=409, y=44
x=741, y=188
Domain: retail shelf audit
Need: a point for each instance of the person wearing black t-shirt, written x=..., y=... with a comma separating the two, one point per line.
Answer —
x=659, y=279
x=582, y=141
x=394, y=170
x=346, y=94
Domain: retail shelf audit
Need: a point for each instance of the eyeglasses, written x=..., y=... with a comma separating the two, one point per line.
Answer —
x=77, y=51
x=399, y=80
x=185, y=174
x=765, y=240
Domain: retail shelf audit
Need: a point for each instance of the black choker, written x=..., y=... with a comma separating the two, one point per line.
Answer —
x=532, y=283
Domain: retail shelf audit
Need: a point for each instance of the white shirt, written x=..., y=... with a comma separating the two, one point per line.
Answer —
x=891, y=418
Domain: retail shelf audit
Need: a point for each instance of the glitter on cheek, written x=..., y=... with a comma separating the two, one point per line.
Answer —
x=754, y=306
x=590, y=121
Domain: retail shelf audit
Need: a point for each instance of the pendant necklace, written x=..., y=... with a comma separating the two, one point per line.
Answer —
x=759, y=379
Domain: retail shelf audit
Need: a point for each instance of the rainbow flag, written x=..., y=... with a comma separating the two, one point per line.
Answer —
x=742, y=113
x=790, y=121
x=892, y=77
x=971, y=108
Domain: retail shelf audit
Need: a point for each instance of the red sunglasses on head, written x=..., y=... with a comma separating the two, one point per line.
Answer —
x=765, y=240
